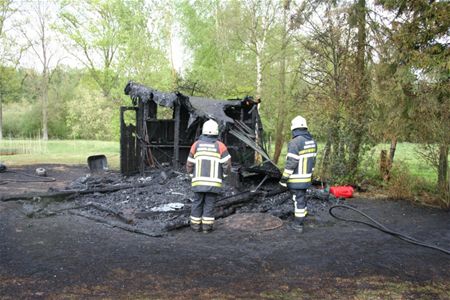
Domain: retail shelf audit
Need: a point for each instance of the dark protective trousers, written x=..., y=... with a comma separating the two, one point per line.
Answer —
x=202, y=211
x=300, y=209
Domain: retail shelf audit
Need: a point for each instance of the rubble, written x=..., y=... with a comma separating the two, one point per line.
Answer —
x=160, y=202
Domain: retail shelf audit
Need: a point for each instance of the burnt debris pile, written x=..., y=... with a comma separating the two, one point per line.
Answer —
x=161, y=201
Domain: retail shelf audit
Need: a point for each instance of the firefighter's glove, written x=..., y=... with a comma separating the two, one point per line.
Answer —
x=283, y=181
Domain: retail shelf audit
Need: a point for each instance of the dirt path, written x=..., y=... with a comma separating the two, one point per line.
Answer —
x=69, y=257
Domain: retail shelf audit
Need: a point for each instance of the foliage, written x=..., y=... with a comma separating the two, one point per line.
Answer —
x=220, y=67
x=110, y=38
x=10, y=84
x=419, y=32
x=22, y=119
x=335, y=72
x=92, y=119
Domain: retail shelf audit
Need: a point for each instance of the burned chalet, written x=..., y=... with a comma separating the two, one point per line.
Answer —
x=149, y=141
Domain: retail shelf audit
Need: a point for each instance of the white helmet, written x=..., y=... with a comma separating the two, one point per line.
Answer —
x=298, y=122
x=210, y=127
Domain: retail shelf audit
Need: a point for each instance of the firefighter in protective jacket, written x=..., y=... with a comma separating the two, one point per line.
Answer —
x=208, y=163
x=300, y=161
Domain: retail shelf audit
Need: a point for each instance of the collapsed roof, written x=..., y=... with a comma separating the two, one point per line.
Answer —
x=197, y=107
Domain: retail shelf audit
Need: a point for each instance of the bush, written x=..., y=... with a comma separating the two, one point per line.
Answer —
x=91, y=116
x=401, y=184
x=21, y=119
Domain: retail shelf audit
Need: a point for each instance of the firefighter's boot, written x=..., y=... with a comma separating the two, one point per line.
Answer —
x=196, y=227
x=297, y=225
x=207, y=228
x=196, y=223
x=208, y=222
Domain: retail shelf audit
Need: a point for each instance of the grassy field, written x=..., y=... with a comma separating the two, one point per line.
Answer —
x=405, y=154
x=20, y=152
x=72, y=152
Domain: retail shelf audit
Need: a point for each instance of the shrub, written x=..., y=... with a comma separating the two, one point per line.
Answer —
x=91, y=116
x=21, y=119
x=401, y=184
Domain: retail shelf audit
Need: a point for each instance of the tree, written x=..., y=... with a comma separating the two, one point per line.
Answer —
x=327, y=73
x=359, y=102
x=288, y=74
x=259, y=17
x=338, y=79
x=6, y=86
x=420, y=32
x=39, y=37
x=111, y=39
x=10, y=86
x=219, y=66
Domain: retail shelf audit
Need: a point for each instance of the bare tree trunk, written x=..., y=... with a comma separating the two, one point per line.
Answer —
x=392, y=150
x=258, y=158
x=258, y=76
x=45, y=106
x=281, y=117
x=39, y=42
x=358, y=122
x=45, y=64
x=386, y=162
x=443, y=180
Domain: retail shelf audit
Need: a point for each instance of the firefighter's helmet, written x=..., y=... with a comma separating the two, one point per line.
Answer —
x=298, y=122
x=210, y=127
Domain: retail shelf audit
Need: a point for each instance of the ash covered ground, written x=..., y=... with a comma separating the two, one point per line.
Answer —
x=60, y=248
x=160, y=202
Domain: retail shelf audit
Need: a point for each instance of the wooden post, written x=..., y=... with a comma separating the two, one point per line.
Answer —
x=176, y=135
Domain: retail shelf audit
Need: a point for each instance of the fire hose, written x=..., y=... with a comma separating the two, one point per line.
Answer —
x=383, y=228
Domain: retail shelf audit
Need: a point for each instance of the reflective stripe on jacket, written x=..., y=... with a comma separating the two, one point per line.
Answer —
x=300, y=160
x=208, y=156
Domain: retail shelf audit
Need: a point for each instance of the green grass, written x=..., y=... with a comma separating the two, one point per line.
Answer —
x=405, y=154
x=75, y=152
x=72, y=152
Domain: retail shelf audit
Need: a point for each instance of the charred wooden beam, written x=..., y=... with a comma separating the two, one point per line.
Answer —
x=176, y=141
x=62, y=195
